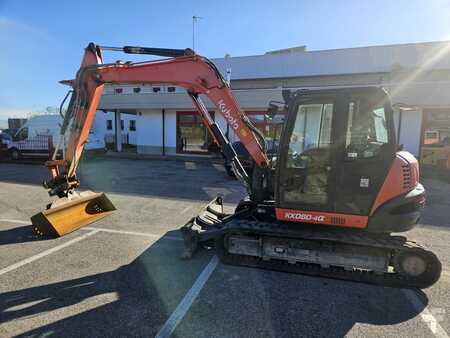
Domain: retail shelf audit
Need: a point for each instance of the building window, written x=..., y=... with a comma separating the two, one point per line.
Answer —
x=171, y=89
x=156, y=89
x=109, y=124
x=435, y=148
x=118, y=90
x=132, y=125
x=121, y=125
x=136, y=90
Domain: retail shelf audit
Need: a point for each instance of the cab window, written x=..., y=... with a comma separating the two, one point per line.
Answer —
x=367, y=130
x=311, y=133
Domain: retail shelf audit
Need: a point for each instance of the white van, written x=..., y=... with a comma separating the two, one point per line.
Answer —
x=32, y=139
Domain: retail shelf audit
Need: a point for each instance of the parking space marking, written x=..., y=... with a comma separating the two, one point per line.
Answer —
x=14, y=221
x=123, y=232
x=185, y=304
x=184, y=210
x=426, y=315
x=134, y=233
x=46, y=252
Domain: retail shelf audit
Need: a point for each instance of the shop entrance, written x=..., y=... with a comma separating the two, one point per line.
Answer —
x=192, y=135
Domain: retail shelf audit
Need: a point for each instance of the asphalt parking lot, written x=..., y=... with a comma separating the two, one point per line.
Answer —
x=122, y=276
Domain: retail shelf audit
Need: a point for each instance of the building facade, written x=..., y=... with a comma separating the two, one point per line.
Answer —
x=417, y=75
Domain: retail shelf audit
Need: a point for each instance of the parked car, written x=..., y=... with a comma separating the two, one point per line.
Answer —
x=95, y=144
x=245, y=158
x=5, y=141
x=10, y=131
x=32, y=139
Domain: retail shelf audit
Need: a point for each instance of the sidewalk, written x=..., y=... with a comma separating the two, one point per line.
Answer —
x=181, y=158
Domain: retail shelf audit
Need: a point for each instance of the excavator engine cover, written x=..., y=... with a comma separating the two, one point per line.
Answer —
x=68, y=214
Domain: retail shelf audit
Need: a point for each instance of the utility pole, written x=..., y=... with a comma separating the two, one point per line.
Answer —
x=195, y=18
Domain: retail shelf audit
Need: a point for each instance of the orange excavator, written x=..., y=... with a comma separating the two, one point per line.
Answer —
x=325, y=205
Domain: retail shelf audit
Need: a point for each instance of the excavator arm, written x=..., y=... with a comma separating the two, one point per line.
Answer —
x=195, y=73
x=184, y=68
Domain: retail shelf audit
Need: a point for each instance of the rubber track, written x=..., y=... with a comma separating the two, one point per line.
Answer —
x=393, y=244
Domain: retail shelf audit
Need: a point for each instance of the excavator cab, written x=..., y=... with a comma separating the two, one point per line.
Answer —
x=335, y=151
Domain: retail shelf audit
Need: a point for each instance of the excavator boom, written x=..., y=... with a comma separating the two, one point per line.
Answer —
x=183, y=68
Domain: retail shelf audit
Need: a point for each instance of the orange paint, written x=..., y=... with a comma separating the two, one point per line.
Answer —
x=84, y=116
x=403, y=176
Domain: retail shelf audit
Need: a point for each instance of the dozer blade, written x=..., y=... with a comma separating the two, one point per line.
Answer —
x=69, y=214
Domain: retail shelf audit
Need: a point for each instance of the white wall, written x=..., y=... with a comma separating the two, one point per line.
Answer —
x=410, y=130
x=149, y=131
x=99, y=124
x=103, y=117
x=171, y=128
x=149, y=128
x=148, y=135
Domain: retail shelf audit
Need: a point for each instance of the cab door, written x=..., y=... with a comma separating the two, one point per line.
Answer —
x=307, y=168
x=369, y=148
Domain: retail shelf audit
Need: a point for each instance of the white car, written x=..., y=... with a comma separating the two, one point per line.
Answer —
x=95, y=144
x=33, y=139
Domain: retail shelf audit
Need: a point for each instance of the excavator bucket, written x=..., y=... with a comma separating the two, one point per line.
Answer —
x=69, y=214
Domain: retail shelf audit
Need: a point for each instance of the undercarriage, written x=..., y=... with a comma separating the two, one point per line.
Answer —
x=249, y=237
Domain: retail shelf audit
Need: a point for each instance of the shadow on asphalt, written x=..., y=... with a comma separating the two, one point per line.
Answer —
x=437, y=205
x=187, y=180
x=146, y=291
x=20, y=234
x=30, y=174
x=130, y=315
x=271, y=304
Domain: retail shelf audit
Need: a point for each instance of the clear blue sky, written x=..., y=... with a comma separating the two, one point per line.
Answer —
x=42, y=42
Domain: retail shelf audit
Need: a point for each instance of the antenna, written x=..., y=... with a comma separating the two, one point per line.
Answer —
x=195, y=18
x=228, y=76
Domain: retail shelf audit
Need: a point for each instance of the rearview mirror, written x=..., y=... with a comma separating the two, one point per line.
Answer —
x=404, y=106
x=274, y=107
x=272, y=111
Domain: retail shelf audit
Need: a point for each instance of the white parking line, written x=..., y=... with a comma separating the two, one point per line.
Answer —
x=184, y=210
x=123, y=232
x=445, y=274
x=46, y=252
x=134, y=233
x=14, y=221
x=427, y=316
x=182, y=308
